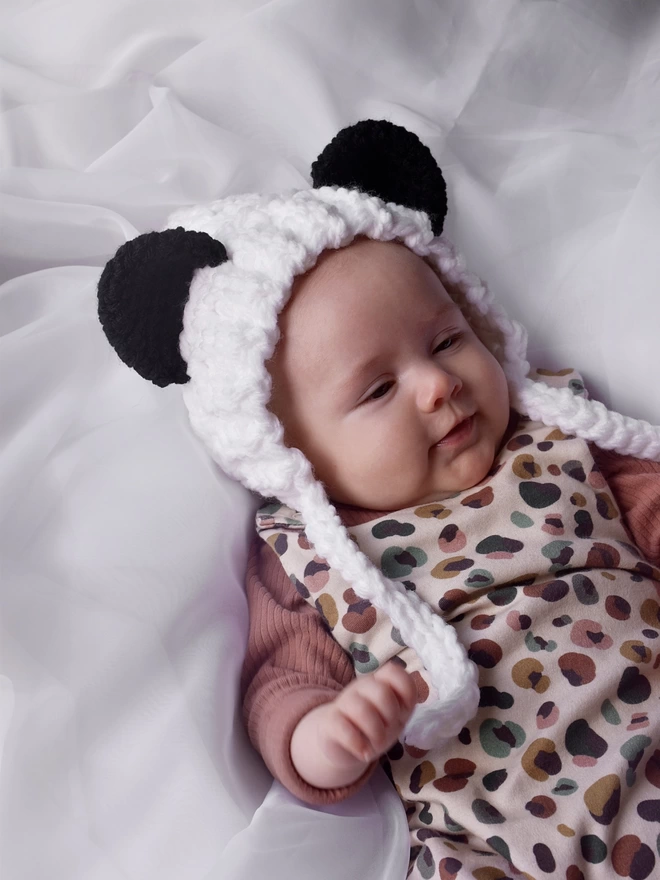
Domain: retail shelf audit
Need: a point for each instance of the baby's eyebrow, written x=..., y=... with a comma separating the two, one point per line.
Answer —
x=347, y=380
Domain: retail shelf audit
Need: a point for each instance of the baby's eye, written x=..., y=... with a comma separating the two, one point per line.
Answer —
x=445, y=344
x=381, y=391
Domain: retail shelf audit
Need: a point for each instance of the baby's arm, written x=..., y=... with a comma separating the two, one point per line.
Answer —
x=292, y=665
x=334, y=744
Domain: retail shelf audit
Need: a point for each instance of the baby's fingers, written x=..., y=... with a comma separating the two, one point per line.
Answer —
x=343, y=739
x=377, y=731
x=401, y=683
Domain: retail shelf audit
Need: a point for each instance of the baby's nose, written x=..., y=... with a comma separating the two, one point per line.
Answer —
x=436, y=387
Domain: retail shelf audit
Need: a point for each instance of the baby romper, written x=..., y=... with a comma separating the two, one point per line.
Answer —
x=558, y=774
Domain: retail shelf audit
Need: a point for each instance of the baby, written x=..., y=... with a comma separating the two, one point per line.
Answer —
x=383, y=384
x=450, y=574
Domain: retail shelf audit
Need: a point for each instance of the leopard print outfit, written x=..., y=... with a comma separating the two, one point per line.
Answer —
x=558, y=774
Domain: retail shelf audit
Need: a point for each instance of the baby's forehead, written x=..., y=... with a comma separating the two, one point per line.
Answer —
x=362, y=298
x=367, y=266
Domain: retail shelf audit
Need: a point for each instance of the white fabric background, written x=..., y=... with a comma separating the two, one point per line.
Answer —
x=122, y=615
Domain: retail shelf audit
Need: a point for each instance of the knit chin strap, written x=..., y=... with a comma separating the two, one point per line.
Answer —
x=590, y=420
x=453, y=675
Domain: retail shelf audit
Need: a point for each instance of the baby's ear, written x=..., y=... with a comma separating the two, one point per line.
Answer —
x=388, y=161
x=142, y=293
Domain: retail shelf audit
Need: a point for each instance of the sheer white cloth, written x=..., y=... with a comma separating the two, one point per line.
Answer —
x=122, y=613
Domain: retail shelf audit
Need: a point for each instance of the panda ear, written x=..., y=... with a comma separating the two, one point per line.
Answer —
x=388, y=161
x=142, y=293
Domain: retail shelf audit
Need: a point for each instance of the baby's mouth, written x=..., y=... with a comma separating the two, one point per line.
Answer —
x=458, y=434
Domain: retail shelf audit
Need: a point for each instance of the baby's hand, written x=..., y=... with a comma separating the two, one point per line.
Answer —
x=334, y=743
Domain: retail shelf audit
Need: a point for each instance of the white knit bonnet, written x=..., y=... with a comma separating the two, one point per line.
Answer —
x=198, y=304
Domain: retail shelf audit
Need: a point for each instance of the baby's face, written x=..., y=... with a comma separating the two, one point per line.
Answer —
x=381, y=382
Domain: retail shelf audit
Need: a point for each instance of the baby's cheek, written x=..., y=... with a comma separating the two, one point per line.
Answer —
x=492, y=400
x=388, y=473
x=393, y=449
x=351, y=471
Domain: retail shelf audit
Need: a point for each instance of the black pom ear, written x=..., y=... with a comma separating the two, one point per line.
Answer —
x=142, y=293
x=388, y=161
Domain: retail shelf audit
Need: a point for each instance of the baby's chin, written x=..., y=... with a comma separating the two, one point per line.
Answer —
x=469, y=471
x=442, y=492
x=391, y=503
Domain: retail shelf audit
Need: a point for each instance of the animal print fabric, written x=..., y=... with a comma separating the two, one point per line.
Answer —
x=558, y=774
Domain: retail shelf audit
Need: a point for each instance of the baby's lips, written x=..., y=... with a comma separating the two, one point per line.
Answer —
x=456, y=424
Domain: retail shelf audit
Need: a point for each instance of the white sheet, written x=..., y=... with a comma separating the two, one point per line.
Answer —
x=122, y=616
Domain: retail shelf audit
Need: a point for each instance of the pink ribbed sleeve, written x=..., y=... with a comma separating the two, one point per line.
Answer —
x=292, y=665
x=636, y=487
